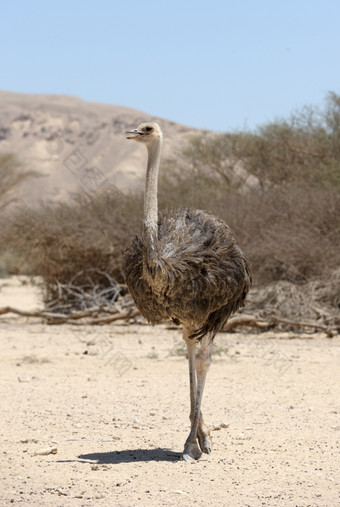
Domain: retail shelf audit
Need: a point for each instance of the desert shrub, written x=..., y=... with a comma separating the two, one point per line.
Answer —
x=12, y=175
x=304, y=147
x=289, y=232
x=61, y=240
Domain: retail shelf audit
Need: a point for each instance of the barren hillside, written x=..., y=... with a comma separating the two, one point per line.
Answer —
x=76, y=144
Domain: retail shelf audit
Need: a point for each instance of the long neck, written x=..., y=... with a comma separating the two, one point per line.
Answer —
x=150, y=197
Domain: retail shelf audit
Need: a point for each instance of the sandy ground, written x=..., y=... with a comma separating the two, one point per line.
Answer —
x=113, y=403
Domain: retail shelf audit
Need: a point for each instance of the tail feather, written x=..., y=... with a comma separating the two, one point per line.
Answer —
x=218, y=319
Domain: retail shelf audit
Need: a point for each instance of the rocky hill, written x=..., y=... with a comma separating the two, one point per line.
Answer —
x=74, y=144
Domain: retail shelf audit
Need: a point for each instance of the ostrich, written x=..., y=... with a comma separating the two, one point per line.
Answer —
x=186, y=267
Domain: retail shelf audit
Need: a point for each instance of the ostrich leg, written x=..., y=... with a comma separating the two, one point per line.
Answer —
x=197, y=367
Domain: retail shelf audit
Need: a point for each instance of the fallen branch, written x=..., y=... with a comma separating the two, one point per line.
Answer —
x=114, y=314
x=61, y=318
x=107, y=320
x=23, y=313
x=264, y=324
x=246, y=321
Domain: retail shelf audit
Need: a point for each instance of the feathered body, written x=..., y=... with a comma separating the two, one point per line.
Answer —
x=194, y=273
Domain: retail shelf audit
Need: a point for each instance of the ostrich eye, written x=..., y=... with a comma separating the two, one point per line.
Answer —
x=148, y=129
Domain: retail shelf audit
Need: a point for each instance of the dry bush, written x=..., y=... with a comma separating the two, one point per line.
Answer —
x=12, y=175
x=289, y=232
x=61, y=240
x=304, y=147
x=295, y=233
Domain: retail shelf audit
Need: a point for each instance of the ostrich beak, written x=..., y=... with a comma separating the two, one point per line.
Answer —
x=134, y=134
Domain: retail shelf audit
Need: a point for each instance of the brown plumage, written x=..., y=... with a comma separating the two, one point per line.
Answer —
x=185, y=266
x=201, y=276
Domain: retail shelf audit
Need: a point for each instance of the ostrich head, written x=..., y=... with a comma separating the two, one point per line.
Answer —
x=146, y=133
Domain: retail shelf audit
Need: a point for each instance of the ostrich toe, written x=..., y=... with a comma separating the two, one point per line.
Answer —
x=191, y=451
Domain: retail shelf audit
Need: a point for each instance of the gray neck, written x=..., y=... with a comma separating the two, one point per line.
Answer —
x=150, y=197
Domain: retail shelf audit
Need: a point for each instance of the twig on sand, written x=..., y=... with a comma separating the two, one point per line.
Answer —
x=253, y=321
x=91, y=317
x=74, y=317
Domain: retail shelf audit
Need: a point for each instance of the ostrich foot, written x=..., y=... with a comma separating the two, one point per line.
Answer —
x=204, y=439
x=191, y=451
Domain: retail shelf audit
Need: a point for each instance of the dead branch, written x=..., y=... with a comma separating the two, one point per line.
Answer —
x=107, y=320
x=263, y=324
x=90, y=318
x=23, y=313
x=60, y=318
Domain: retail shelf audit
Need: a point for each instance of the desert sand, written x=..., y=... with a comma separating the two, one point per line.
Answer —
x=99, y=415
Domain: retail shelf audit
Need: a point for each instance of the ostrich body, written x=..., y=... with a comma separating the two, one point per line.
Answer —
x=185, y=266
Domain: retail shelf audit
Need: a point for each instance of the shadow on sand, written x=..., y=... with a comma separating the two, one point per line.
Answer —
x=130, y=456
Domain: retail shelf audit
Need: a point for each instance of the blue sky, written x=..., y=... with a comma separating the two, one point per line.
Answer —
x=221, y=65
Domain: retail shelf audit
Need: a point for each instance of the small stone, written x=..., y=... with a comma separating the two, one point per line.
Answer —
x=219, y=427
x=46, y=452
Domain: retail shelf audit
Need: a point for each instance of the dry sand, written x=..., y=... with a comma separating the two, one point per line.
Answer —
x=113, y=404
